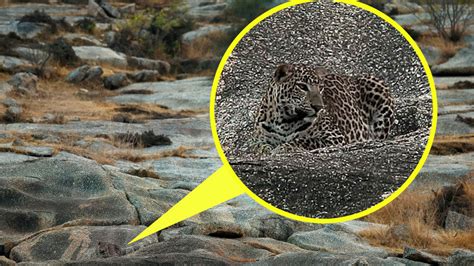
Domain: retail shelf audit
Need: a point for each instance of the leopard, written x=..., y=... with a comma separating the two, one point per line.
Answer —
x=311, y=107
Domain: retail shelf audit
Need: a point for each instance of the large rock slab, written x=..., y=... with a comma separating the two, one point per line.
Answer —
x=100, y=55
x=335, y=242
x=441, y=171
x=13, y=64
x=49, y=192
x=80, y=243
x=455, y=97
x=204, y=31
x=188, y=94
x=230, y=249
x=25, y=30
x=448, y=125
x=326, y=258
x=460, y=64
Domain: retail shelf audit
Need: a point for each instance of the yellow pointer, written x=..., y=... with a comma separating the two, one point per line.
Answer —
x=224, y=184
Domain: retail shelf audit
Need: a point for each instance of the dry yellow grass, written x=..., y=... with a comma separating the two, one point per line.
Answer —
x=411, y=222
x=448, y=48
x=447, y=145
x=205, y=47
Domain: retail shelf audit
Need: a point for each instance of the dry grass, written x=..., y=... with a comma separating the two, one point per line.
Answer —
x=411, y=220
x=448, y=49
x=138, y=156
x=209, y=46
x=449, y=145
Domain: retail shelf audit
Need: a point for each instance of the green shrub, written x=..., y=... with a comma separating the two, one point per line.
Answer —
x=154, y=34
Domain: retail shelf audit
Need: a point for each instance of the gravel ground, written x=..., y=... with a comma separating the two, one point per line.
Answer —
x=345, y=40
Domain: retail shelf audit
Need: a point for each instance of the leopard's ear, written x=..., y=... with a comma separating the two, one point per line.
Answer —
x=283, y=72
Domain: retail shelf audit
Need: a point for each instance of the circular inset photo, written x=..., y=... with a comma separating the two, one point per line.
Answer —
x=324, y=110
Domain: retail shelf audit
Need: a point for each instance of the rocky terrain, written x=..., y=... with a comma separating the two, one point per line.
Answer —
x=92, y=153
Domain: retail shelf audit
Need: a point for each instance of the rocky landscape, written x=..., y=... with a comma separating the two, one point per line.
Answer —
x=94, y=151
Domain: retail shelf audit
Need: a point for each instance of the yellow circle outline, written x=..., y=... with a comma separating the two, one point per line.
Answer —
x=378, y=205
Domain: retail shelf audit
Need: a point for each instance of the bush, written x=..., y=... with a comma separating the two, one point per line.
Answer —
x=40, y=17
x=86, y=25
x=153, y=34
x=62, y=53
x=451, y=18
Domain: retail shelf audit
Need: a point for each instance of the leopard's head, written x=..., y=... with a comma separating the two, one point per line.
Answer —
x=296, y=92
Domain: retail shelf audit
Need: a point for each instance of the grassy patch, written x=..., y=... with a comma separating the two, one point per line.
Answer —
x=416, y=219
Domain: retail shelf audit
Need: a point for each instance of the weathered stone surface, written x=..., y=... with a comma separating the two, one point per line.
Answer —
x=26, y=30
x=13, y=114
x=461, y=257
x=455, y=97
x=25, y=83
x=411, y=19
x=204, y=31
x=449, y=125
x=461, y=64
x=36, y=151
x=49, y=192
x=13, y=158
x=82, y=39
x=84, y=73
x=441, y=171
x=323, y=258
x=339, y=242
x=13, y=64
x=417, y=255
x=145, y=76
x=458, y=221
x=402, y=7
x=79, y=243
x=144, y=63
x=230, y=249
x=33, y=55
x=189, y=94
x=100, y=55
x=116, y=81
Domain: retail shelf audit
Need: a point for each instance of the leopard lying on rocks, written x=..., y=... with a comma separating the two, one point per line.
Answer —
x=310, y=108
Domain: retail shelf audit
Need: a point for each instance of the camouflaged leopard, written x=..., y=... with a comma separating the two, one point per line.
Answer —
x=309, y=107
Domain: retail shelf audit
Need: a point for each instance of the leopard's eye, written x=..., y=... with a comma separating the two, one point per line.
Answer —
x=302, y=86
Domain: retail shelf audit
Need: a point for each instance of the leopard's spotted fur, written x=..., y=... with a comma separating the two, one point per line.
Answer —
x=309, y=107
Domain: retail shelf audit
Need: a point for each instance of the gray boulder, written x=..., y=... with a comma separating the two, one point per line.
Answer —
x=13, y=64
x=189, y=94
x=460, y=64
x=144, y=63
x=191, y=36
x=13, y=114
x=25, y=83
x=458, y=221
x=421, y=256
x=25, y=30
x=145, y=76
x=36, y=56
x=116, y=81
x=402, y=7
x=84, y=73
x=100, y=55
x=461, y=257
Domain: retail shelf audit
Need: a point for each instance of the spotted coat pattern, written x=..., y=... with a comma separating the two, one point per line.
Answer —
x=309, y=107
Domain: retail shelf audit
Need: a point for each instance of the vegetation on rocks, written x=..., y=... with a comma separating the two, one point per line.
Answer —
x=153, y=34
